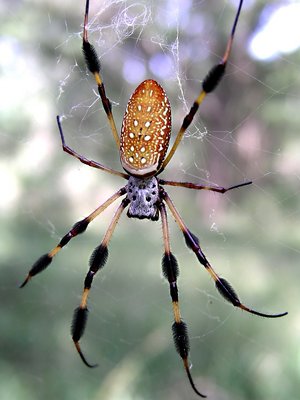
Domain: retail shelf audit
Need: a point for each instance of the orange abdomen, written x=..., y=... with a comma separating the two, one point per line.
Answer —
x=146, y=130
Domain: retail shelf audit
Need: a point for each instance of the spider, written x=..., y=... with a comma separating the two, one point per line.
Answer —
x=143, y=145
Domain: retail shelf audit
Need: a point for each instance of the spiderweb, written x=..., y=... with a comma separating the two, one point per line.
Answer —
x=176, y=43
x=246, y=130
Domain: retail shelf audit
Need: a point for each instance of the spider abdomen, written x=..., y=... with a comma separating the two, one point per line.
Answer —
x=143, y=195
x=146, y=130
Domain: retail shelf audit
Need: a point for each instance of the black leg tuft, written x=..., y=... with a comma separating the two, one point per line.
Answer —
x=79, y=323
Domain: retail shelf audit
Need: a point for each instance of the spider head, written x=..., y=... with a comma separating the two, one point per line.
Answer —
x=146, y=130
x=143, y=194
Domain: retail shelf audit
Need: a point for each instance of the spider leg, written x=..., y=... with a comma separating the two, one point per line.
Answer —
x=209, y=83
x=93, y=64
x=171, y=272
x=97, y=261
x=222, y=285
x=81, y=158
x=79, y=227
x=190, y=185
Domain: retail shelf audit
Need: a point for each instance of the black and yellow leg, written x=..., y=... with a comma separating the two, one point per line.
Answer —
x=222, y=285
x=97, y=261
x=171, y=272
x=79, y=227
x=209, y=83
x=93, y=64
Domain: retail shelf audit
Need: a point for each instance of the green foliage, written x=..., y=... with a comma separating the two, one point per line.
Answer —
x=250, y=236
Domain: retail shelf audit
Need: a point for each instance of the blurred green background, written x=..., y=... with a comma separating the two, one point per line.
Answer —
x=247, y=130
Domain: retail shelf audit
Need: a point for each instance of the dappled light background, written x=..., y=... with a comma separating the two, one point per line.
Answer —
x=247, y=130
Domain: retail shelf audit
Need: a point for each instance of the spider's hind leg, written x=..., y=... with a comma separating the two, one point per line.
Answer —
x=179, y=327
x=93, y=64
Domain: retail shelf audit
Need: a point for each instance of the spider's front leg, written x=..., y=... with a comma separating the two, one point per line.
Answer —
x=170, y=272
x=97, y=261
x=222, y=285
x=46, y=259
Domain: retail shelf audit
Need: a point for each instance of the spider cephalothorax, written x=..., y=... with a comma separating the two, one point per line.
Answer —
x=143, y=194
x=143, y=146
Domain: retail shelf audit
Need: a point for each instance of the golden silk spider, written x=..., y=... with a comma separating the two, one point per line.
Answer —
x=143, y=146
